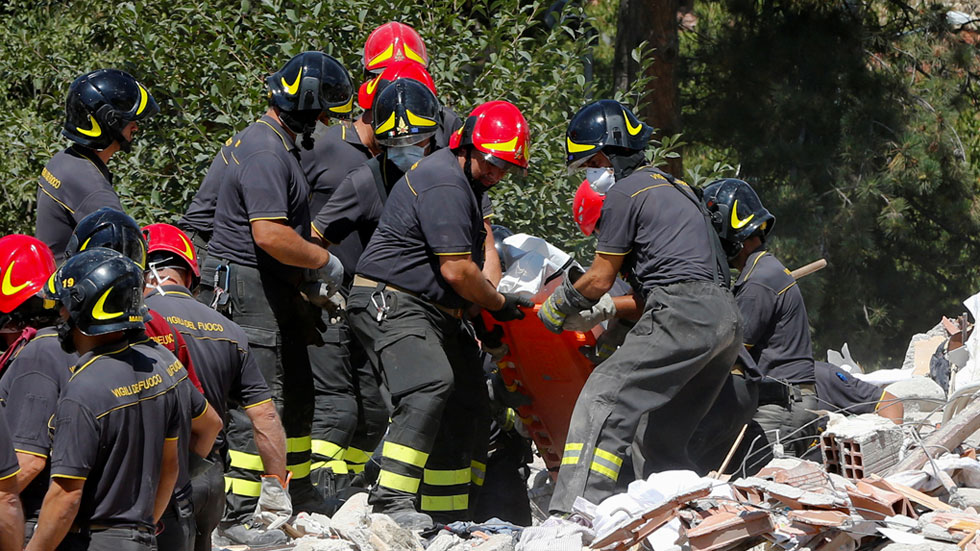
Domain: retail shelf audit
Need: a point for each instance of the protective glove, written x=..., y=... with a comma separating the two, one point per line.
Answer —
x=511, y=310
x=565, y=301
x=608, y=342
x=274, y=507
x=584, y=320
x=332, y=273
x=318, y=294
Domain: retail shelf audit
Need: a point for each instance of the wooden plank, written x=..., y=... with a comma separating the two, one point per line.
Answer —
x=948, y=437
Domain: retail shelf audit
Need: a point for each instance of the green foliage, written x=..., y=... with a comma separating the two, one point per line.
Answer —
x=850, y=119
x=205, y=63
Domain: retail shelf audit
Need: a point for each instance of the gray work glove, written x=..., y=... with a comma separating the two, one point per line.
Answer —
x=565, y=301
x=274, y=507
x=608, y=342
x=584, y=320
x=318, y=294
x=332, y=273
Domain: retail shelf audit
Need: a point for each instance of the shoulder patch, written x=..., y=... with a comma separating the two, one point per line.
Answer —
x=50, y=178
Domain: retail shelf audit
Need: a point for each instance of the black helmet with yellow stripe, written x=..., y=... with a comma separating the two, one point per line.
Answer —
x=99, y=106
x=736, y=212
x=111, y=229
x=406, y=112
x=604, y=125
x=310, y=84
x=102, y=291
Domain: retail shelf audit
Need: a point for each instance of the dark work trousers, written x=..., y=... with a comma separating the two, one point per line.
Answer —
x=209, y=501
x=504, y=493
x=788, y=418
x=714, y=437
x=179, y=526
x=110, y=539
x=672, y=365
x=350, y=417
x=432, y=368
x=279, y=325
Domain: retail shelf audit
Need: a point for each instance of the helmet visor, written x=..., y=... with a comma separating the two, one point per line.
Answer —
x=405, y=139
x=509, y=167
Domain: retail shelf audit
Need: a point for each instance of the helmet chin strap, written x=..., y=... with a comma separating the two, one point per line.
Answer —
x=475, y=184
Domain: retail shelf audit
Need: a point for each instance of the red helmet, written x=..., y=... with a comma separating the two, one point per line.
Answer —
x=393, y=42
x=399, y=69
x=498, y=129
x=587, y=207
x=169, y=239
x=25, y=266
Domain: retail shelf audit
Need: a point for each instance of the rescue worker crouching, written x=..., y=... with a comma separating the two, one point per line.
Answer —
x=653, y=229
x=102, y=112
x=125, y=388
x=259, y=256
x=419, y=272
x=777, y=331
x=227, y=369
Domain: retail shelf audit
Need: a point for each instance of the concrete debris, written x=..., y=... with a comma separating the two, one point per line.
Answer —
x=555, y=534
x=312, y=543
x=389, y=536
x=920, y=396
x=355, y=513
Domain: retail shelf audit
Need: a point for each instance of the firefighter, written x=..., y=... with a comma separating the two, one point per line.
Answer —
x=228, y=371
x=419, y=272
x=115, y=230
x=777, y=331
x=351, y=415
x=119, y=417
x=25, y=265
x=394, y=43
x=102, y=114
x=259, y=256
x=676, y=358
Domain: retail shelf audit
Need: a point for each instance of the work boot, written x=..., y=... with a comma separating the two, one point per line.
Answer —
x=411, y=519
x=307, y=498
x=246, y=534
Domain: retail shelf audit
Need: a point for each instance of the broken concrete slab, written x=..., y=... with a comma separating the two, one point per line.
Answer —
x=919, y=395
x=353, y=514
x=393, y=536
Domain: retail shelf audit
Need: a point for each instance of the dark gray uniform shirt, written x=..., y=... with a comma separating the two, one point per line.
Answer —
x=219, y=348
x=356, y=206
x=119, y=405
x=200, y=214
x=776, y=328
x=658, y=228
x=74, y=184
x=264, y=181
x=432, y=211
x=326, y=166
x=838, y=389
x=29, y=389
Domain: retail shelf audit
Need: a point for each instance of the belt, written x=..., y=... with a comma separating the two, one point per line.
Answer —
x=84, y=528
x=361, y=281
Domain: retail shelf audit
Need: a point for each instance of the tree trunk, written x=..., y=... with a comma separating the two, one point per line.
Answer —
x=653, y=21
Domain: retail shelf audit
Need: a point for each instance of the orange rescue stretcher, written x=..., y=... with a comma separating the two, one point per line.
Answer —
x=551, y=371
